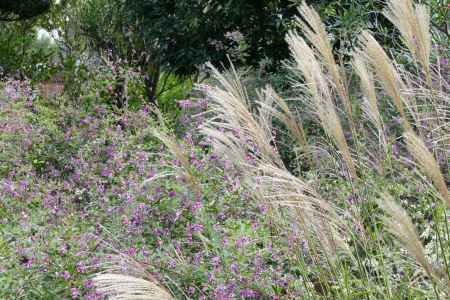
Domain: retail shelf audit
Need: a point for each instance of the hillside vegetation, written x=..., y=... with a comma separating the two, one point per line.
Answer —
x=326, y=179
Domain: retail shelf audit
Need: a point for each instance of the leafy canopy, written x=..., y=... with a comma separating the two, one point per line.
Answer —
x=13, y=10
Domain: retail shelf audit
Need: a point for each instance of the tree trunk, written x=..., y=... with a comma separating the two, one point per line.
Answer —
x=151, y=80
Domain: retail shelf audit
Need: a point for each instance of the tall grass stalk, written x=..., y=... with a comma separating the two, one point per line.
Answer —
x=314, y=30
x=286, y=116
x=399, y=224
x=387, y=74
x=321, y=100
x=427, y=164
x=413, y=22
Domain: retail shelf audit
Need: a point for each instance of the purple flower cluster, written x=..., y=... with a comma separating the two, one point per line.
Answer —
x=106, y=187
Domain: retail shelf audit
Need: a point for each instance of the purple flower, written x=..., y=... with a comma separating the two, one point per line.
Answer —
x=242, y=242
x=248, y=294
x=106, y=173
x=28, y=263
x=263, y=209
x=220, y=292
x=255, y=226
x=215, y=261
x=66, y=275
x=75, y=293
x=197, y=258
x=191, y=290
x=81, y=268
x=197, y=228
x=172, y=264
x=94, y=296
x=185, y=104
x=443, y=62
x=132, y=251
x=210, y=277
x=225, y=242
x=196, y=207
x=234, y=268
x=88, y=284
x=172, y=194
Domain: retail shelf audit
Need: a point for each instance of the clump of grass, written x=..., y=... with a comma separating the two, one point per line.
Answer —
x=328, y=225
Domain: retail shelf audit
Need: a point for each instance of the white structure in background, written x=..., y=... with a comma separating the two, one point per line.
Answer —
x=43, y=34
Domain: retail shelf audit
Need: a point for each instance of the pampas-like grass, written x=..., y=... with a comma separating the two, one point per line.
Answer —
x=319, y=219
x=387, y=74
x=173, y=146
x=370, y=104
x=126, y=279
x=124, y=287
x=285, y=115
x=235, y=128
x=368, y=88
x=400, y=225
x=315, y=32
x=427, y=164
x=232, y=113
x=264, y=175
x=316, y=84
x=413, y=22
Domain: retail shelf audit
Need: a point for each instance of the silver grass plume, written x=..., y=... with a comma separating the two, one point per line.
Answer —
x=427, y=164
x=315, y=32
x=317, y=86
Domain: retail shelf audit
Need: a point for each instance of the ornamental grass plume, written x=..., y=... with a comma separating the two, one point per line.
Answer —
x=370, y=104
x=387, y=74
x=320, y=220
x=317, y=86
x=413, y=22
x=400, y=225
x=314, y=30
x=170, y=141
x=126, y=279
x=124, y=287
x=237, y=124
x=427, y=164
x=265, y=176
x=283, y=113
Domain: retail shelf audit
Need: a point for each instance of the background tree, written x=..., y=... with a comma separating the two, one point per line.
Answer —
x=176, y=37
x=13, y=10
x=22, y=53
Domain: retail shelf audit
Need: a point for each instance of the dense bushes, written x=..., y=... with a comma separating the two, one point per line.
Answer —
x=87, y=183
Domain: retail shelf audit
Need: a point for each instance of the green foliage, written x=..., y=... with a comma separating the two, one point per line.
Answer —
x=11, y=10
x=22, y=52
x=171, y=89
x=189, y=33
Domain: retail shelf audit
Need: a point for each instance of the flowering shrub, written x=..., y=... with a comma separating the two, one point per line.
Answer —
x=78, y=185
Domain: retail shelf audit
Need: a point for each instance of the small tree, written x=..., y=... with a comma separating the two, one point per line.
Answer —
x=175, y=37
